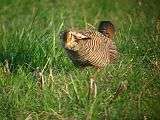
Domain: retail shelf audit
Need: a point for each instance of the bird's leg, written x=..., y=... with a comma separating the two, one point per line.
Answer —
x=93, y=85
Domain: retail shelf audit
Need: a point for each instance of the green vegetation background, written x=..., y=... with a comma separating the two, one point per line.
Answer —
x=29, y=39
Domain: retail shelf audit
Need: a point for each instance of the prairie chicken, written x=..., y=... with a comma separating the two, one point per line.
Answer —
x=91, y=47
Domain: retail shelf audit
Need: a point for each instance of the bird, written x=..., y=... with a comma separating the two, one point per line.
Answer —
x=91, y=47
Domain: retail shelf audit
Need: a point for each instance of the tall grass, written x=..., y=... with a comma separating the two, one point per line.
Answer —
x=44, y=84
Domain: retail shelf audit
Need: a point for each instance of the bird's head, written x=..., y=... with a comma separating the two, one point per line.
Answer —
x=69, y=40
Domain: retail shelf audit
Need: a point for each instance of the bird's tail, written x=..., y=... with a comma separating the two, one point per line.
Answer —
x=107, y=29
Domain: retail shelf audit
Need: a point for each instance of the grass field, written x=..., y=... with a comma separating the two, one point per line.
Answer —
x=29, y=40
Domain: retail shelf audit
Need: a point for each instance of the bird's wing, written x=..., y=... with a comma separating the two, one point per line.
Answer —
x=95, y=35
x=85, y=34
x=79, y=35
x=90, y=34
